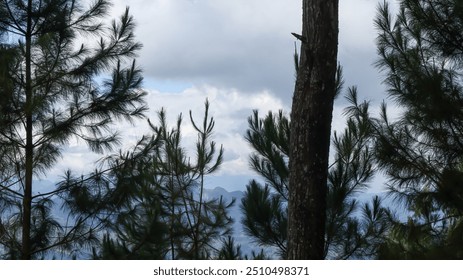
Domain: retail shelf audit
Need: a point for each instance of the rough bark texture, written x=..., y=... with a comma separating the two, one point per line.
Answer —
x=27, y=199
x=311, y=117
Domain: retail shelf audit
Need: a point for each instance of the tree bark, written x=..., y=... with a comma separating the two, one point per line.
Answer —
x=311, y=117
x=27, y=199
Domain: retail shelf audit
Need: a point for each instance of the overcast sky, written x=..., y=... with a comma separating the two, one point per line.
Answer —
x=238, y=54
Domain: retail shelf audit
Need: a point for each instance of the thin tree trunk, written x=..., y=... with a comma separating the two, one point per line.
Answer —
x=199, y=220
x=311, y=117
x=27, y=199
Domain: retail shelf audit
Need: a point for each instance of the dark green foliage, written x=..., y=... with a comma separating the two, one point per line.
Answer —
x=269, y=138
x=8, y=57
x=421, y=51
x=353, y=229
x=159, y=194
x=51, y=93
x=230, y=251
x=265, y=217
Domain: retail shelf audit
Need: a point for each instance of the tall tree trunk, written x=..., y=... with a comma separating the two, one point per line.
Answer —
x=311, y=117
x=27, y=199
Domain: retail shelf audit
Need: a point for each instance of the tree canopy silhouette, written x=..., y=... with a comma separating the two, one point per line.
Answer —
x=70, y=75
x=421, y=151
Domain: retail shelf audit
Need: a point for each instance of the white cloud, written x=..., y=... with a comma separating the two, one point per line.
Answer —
x=240, y=44
x=357, y=31
x=238, y=55
x=245, y=44
x=230, y=109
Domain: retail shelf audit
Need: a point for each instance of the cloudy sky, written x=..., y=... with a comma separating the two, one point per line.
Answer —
x=238, y=55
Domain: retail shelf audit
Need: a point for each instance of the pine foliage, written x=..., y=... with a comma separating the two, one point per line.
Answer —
x=54, y=54
x=164, y=213
x=354, y=229
x=421, y=151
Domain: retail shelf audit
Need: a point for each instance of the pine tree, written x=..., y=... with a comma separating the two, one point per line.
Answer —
x=55, y=93
x=165, y=213
x=136, y=229
x=421, y=151
x=230, y=250
x=353, y=229
x=311, y=116
x=264, y=207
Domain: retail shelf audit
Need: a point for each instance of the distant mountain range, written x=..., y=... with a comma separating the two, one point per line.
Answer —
x=238, y=233
x=235, y=212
